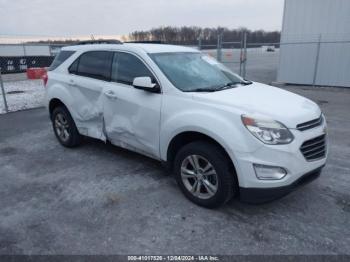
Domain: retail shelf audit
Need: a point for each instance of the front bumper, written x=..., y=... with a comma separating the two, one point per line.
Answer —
x=289, y=157
x=263, y=195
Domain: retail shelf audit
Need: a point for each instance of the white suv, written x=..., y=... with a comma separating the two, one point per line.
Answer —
x=220, y=134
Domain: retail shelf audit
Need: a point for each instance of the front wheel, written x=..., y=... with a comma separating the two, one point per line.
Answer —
x=204, y=174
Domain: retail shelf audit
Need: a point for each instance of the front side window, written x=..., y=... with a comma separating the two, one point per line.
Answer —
x=195, y=71
x=94, y=64
x=126, y=67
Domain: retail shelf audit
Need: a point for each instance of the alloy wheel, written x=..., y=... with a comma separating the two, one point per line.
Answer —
x=199, y=176
x=62, y=127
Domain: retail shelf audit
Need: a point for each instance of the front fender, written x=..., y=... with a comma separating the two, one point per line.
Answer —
x=226, y=130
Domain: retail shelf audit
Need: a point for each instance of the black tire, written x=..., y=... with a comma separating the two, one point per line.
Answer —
x=226, y=181
x=74, y=139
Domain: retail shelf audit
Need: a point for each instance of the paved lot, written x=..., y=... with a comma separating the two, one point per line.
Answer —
x=99, y=199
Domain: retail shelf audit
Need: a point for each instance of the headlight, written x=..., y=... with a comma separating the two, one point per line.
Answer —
x=268, y=131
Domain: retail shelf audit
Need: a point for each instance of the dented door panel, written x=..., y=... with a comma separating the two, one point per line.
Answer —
x=88, y=105
x=132, y=118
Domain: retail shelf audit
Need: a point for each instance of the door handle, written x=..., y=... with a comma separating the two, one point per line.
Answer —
x=111, y=94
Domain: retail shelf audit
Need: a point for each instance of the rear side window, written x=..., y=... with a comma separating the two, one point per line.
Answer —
x=94, y=64
x=60, y=58
x=126, y=67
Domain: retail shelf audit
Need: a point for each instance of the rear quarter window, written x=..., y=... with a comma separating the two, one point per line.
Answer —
x=60, y=58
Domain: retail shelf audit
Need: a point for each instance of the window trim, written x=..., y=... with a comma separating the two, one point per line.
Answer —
x=111, y=67
x=75, y=60
x=89, y=76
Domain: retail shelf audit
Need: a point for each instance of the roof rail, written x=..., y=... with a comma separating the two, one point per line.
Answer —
x=146, y=42
x=101, y=41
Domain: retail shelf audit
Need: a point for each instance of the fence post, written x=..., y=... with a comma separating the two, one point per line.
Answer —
x=219, y=45
x=3, y=93
x=244, y=54
x=241, y=57
x=316, y=60
x=200, y=42
x=50, y=50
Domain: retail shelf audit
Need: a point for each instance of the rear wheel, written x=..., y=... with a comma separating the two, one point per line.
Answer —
x=204, y=174
x=64, y=127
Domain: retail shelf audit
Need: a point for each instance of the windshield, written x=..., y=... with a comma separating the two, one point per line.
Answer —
x=191, y=72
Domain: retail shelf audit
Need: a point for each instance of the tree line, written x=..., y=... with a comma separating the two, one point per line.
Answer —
x=189, y=35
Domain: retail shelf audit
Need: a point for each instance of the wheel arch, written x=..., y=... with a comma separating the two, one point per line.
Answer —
x=186, y=137
x=53, y=103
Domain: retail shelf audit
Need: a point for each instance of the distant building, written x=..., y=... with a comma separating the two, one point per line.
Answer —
x=303, y=60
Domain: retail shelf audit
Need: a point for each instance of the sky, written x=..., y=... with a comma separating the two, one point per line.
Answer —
x=120, y=17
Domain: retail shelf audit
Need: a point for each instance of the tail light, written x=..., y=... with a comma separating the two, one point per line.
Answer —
x=45, y=79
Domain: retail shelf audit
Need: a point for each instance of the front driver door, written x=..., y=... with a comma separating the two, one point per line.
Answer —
x=132, y=116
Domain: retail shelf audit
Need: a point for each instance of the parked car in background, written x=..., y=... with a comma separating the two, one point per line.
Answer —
x=221, y=135
x=268, y=48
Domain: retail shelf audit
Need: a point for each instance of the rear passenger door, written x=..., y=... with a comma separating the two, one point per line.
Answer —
x=89, y=75
x=131, y=115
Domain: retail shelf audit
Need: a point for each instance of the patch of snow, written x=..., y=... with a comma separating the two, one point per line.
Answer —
x=32, y=96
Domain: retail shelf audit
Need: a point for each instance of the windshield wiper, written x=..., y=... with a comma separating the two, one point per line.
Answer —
x=246, y=82
x=223, y=87
x=230, y=84
x=202, y=90
x=227, y=85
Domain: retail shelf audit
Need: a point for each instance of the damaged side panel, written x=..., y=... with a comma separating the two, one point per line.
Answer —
x=87, y=109
x=132, y=118
x=126, y=116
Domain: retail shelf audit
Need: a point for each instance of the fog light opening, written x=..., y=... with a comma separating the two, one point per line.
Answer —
x=264, y=172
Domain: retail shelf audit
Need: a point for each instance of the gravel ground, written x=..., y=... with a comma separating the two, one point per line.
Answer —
x=100, y=199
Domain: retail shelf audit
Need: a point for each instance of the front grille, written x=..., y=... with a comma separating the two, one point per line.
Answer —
x=315, y=148
x=310, y=124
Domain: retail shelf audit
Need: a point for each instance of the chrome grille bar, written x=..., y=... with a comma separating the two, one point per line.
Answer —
x=314, y=148
x=310, y=124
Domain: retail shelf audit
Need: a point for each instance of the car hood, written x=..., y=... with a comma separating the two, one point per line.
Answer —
x=263, y=100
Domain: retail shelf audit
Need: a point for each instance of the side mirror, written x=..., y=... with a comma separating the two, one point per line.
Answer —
x=145, y=83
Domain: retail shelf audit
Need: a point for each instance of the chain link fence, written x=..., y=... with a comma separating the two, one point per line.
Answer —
x=230, y=53
x=317, y=60
x=16, y=58
x=17, y=90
